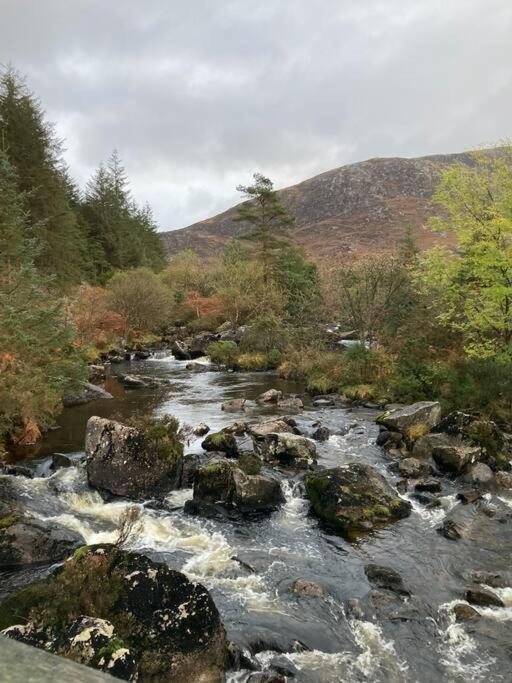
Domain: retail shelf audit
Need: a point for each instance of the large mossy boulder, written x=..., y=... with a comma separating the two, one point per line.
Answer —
x=222, y=487
x=134, y=462
x=414, y=420
x=354, y=498
x=287, y=450
x=221, y=442
x=167, y=628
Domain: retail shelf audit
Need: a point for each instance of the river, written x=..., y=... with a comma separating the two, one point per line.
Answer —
x=249, y=566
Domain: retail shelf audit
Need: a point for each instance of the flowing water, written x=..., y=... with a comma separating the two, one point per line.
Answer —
x=249, y=566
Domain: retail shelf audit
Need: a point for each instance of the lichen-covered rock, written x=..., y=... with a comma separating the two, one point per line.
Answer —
x=354, y=498
x=424, y=446
x=412, y=421
x=261, y=429
x=271, y=396
x=479, y=474
x=456, y=458
x=87, y=640
x=478, y=431
x=287, y=450
x=122, y=462
x=222, y=487
x=221, y=442
x=147, y=622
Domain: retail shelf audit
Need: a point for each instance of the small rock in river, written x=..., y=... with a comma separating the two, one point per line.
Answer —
x=483, y=597
x=306, y=588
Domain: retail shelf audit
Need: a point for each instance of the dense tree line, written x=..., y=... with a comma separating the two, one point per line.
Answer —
x=80, y=236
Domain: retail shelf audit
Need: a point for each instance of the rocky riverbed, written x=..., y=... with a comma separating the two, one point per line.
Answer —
x=418, y=589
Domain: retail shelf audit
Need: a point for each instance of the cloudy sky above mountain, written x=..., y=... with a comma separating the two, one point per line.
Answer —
x=198, y=95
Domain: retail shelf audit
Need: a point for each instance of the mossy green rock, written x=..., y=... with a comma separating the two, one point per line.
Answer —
x=354, y=499
x=221, y=442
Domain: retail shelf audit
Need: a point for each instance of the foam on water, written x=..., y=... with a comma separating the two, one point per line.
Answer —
x=432, y=516
x=460, y=653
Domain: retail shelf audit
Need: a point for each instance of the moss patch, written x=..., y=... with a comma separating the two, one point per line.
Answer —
x=7, y=521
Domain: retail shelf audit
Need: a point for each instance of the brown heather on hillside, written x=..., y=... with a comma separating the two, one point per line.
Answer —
x=360, y=207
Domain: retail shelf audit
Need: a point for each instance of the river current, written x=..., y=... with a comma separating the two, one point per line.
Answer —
x=249, y=566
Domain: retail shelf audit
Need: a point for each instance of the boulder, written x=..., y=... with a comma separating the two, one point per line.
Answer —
x=354, y=498
x=456, y=458
x=465, y=612
x=221, y=487
x=385, y=577
x=132, y=381
x=191, y=463
x=121, y=462
x=87, y=393
x=201, y=429
x=288, y=450
x=424, y=446
x=197, y=367
x=323, y=401
x=97, y=371
x=60, y=460
x=321, y=434
x=235, y=405
x=504, y=479
x=180, y=350
x=412, y=468
x=293, y=403
x=150, y=622
x=450, y=529
x=198, y=345
x=492, y=579
x=271, y=396
x=428, y=485
x=414, y=420
x=141, y=354
x=305, y=588
x=479, y=475
x=221, y=442
x=249, y=463
x=483, y=597
x=261, y=429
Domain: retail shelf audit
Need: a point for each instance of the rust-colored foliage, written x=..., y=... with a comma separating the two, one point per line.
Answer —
x=95, y=322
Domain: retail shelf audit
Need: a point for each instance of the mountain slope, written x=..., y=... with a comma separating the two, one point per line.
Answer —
x=358, y=207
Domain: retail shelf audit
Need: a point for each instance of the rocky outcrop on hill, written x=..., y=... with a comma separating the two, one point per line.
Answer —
x=353, y=208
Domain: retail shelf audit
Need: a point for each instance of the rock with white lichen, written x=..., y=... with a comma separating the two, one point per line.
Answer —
x=146, y=622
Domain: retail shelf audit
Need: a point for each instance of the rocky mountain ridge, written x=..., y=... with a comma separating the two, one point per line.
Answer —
x=359, y=207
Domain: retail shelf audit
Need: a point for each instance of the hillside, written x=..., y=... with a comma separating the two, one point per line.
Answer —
x=358, y=207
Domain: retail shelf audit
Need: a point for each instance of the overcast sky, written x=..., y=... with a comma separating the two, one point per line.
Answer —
x=198, y=94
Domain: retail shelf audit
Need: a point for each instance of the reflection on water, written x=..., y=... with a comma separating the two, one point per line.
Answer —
x=250, y=566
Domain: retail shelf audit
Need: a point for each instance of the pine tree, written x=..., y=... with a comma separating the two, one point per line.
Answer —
x=269, y=219
x=36, y=156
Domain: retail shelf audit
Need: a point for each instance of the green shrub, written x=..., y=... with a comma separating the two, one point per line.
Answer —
x=253, y=361
x=224, y=353
x=265, y=334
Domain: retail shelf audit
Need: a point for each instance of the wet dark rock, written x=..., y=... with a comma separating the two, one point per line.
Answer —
x=401, y=486
x=240, y=659
x=120, y=462
x=305, y=588
x=282, y=665
x=428, y=485
x=221, y=442
x=191, y=463
x=465, y=612
x=141, y=354
x=287, y=450
x=385, y=577
x=235, y=405
x=24, y=541
x=173, y=635
x=483, y=597
x=412, y=468
x=414, y=420
x=321, y=434
x=383, y=437
x=426, y=499
x=221, y=487
x=87, y=393
x=469, y=496
x=492, y=579
x=354, y=498
x=198, y=345
x=201, y=429
x=97, y=372
x=456, y=458
x=450, y=529
x=60, y=460
x=17, y=471
x=479, y=475
x=180, y=350
x=271, y=396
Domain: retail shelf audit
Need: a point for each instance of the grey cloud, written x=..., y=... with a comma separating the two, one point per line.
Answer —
x=198, y=95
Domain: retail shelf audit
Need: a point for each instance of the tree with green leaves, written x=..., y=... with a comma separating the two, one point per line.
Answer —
x=472, y=285
x=35, y=153
x=38, y=362
x=268, y=218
